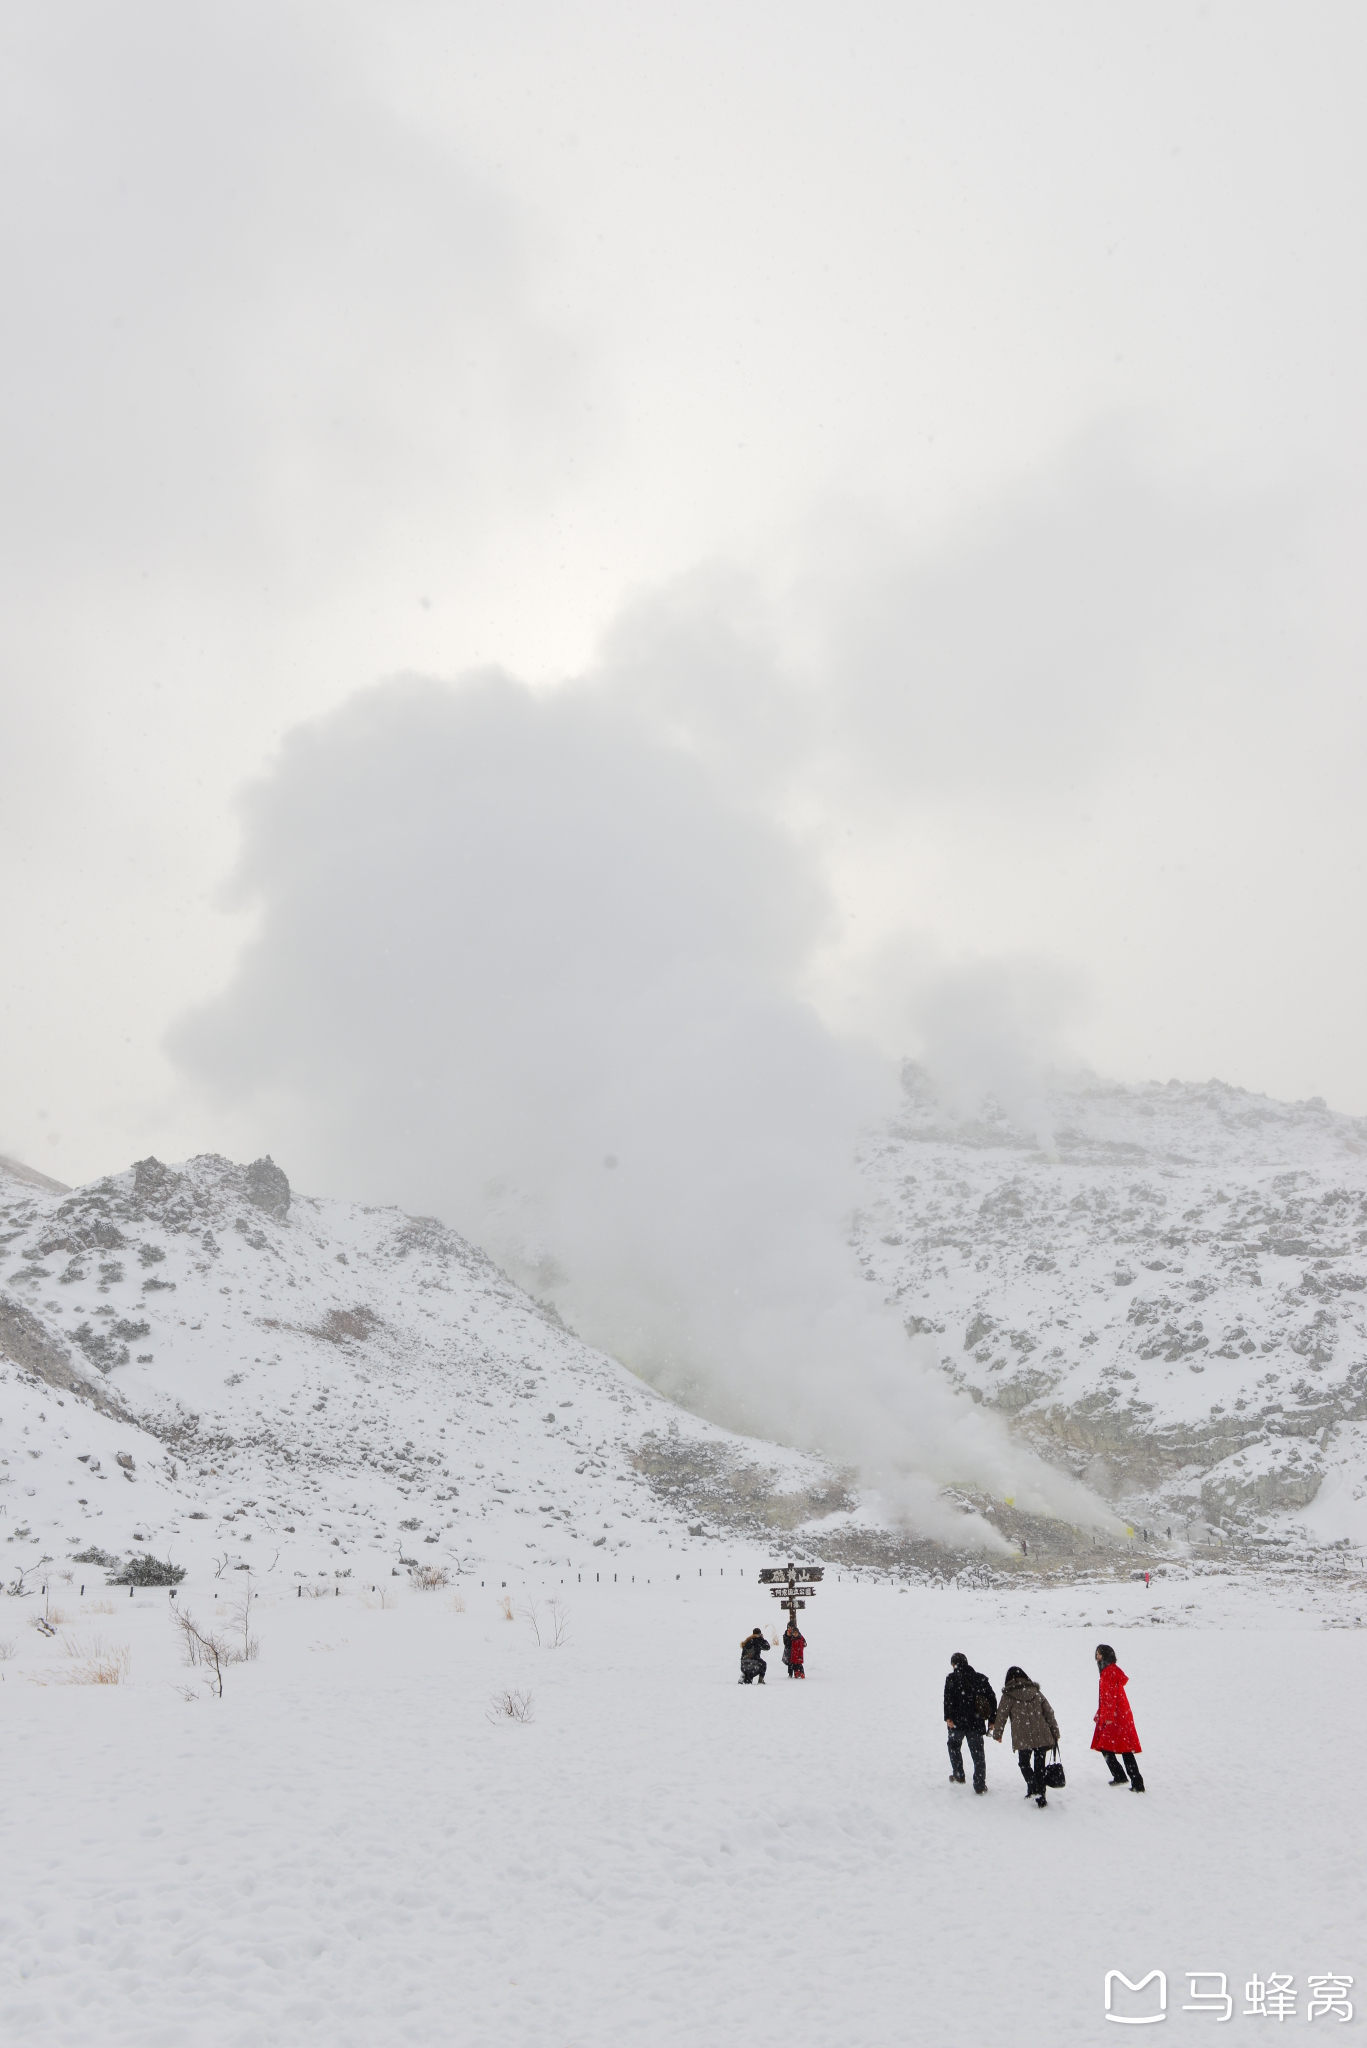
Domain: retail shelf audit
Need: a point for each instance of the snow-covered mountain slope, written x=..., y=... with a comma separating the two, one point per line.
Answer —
x=197, y=1361
x=1164, y=1287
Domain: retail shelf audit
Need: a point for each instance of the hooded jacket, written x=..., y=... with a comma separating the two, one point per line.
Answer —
x=969, y=1700
x=1032, y=1718
x=1115, y=1729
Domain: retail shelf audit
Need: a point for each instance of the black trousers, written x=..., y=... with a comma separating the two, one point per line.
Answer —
x=974, y=1738
x=749, y=1672
x=1032, y=1762
x=1131, y=1769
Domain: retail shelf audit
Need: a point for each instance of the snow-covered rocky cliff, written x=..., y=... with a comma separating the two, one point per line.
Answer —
x=1164, y=1288
x=198, y=1360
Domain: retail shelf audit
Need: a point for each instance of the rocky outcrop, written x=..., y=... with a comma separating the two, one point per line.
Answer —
x=1163, y=1289
x=268, y=1188
x=24, y=1339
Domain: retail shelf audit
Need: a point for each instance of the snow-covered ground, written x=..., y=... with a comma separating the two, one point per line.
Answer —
x=343, y=1849
x=1164, y=1288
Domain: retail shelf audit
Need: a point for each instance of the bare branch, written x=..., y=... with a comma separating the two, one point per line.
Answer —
x=559, y=1622
x=203, y=1648
x=509, y=1705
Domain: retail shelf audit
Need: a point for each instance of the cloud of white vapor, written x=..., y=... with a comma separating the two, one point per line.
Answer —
x=547, y=963
x=527, y=965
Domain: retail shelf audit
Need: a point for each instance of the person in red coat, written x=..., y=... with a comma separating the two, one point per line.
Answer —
x=1116, y=1735
x=794, y=1650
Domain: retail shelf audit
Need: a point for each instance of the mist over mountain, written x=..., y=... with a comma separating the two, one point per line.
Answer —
x=1156, y=1294
x=199, y=1359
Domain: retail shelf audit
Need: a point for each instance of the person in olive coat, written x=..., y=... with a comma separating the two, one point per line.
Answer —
x=970, y=1704
x=1033, y=1728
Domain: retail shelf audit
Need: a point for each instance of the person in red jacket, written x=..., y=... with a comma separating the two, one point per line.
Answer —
x=1116, y=1735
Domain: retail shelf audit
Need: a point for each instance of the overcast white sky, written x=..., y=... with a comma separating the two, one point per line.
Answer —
x=945, y=425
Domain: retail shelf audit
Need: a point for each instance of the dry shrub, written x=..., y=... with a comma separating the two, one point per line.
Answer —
x=57, y=1615
x=505, y=1606
x=382, y=1597
x=212, y=1650
x=429, y=1578
x=509, y=1705
x=97, y=1663
x=101, y=1607
x=313, y=1591
x=244, y=1643
x=457, y=1602
x=6, y=1649
x=549, y=1621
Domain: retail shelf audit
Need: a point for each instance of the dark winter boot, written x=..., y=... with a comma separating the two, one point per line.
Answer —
x=1136, y=1781
x=1113, y=1766
x=1041, y=1801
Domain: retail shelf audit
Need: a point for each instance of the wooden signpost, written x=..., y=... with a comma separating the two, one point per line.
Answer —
x=793, y=1584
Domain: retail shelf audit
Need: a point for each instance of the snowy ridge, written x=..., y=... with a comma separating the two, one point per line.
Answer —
x=314, y=1386
x=1164, y=1288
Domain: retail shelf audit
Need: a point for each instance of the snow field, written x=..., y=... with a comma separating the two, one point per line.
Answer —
x=345, y=1850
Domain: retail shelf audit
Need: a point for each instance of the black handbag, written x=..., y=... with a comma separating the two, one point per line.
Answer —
x=1053, y=1774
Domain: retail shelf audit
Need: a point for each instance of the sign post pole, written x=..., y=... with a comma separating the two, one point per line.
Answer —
x=793, y=1584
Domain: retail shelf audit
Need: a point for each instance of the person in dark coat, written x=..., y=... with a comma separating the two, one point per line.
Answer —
x=1116, y=1734
x=752, y=1664
x=1033, y=1728
x=969, y=1704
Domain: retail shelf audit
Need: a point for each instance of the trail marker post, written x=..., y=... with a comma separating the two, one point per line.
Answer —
x=793, y=1584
